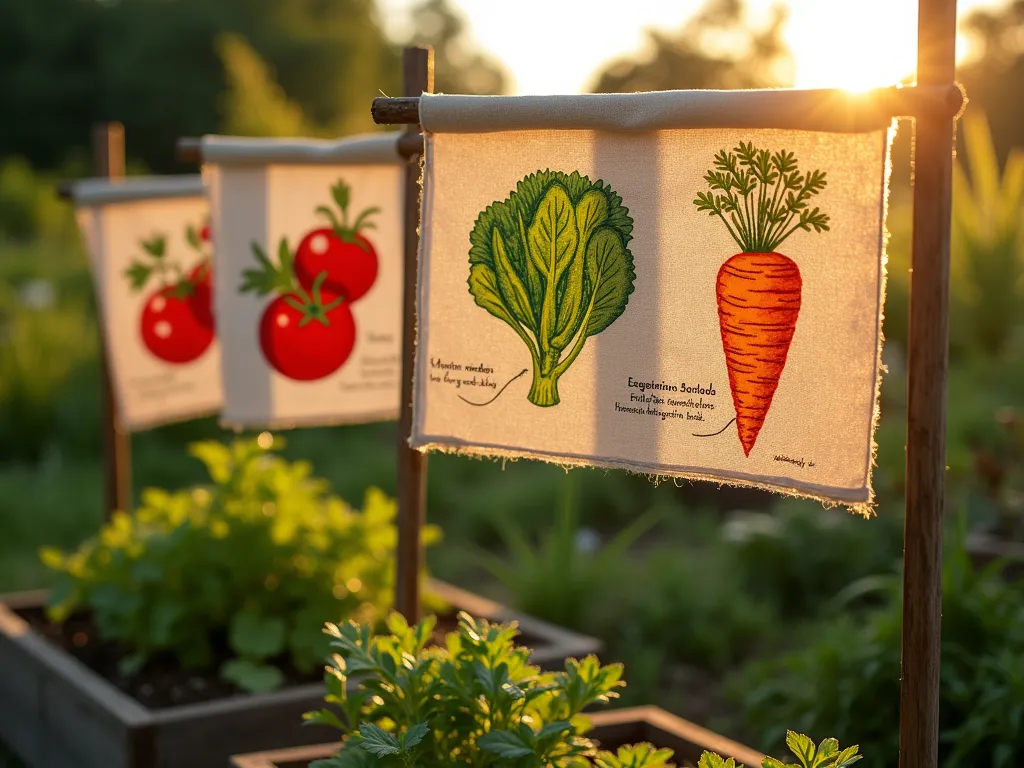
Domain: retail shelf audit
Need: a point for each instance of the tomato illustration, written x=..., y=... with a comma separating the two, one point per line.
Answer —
x=345, y=256
x=306, y=344
x=305, y=334
x=170, y=328
x=176, y=324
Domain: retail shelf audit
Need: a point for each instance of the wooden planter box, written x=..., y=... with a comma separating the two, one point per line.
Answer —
x=984, y=548
x=611, y=729
x=57, y=713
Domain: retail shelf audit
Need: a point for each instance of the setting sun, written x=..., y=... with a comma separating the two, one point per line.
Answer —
x=853, y=46
x=871, y=43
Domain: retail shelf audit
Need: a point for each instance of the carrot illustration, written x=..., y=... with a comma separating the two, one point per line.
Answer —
x=761, y=197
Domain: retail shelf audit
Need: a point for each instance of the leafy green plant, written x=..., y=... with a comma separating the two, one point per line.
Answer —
x=257, y=558
x=551, y=261
x=477, y=701
x=827, y=754
x=847, y=678
x=988, y=242
x=761, y=197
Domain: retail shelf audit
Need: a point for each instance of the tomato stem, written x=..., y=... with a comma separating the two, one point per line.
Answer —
x=345, y=232
x=311, y=305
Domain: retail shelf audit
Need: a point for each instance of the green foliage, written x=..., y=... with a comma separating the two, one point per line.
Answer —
x=530, y=571
x=997, y=481
x=48, y=349
x=798, y=555
x=995, y=69
x=688, y=608
x=476, y=701
x=763, y=195
x=551, y=261
x=254, y=104
x=30, y=204
x=988, y=242
x=825, y=755
x=191, y=67
x=846, y=679
x=258, y=556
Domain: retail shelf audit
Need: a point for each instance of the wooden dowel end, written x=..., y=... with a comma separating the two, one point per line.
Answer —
x=189, y=149
x=401, y=110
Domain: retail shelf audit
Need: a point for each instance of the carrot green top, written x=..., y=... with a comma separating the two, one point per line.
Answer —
x=762, y=197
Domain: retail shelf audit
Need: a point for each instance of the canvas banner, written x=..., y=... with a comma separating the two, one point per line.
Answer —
x=151, y=256
x=701, y=303
x=310, y=248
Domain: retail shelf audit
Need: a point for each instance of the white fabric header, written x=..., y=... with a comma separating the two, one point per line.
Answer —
x=365, y=149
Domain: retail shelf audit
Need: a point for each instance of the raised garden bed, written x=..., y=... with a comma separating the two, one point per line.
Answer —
x=57, y=709
x=986, y=548
x=612, y=729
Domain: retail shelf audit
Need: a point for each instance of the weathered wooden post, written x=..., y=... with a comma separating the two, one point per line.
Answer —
x=108, y=162
x=417, y=78
x=927, y=364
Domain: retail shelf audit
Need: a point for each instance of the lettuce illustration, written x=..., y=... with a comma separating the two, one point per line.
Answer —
x=551, y=261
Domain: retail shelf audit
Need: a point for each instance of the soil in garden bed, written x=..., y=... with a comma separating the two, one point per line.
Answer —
x=162, y=682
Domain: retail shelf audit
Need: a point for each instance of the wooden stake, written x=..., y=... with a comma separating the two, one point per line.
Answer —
x=418, y=77
x=927, y=365
x=108, y=162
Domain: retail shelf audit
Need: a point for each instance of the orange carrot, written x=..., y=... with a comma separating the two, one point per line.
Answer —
x=761, y=198
x=758, y=303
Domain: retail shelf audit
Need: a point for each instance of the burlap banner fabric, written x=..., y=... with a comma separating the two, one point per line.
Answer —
x=151, y=256
x=310, y=243
x=700, y=303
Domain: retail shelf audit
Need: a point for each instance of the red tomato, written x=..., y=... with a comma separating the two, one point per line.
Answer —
x=171, y=330
x=204, y=233
x=201, y=300
x=310, y=350
x=351, y=267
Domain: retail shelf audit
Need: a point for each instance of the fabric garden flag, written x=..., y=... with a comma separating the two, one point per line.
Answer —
x=310, y=248
x=683, y=283
x=151, y=256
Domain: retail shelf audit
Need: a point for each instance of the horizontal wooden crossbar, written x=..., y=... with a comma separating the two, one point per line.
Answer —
x=911, y=101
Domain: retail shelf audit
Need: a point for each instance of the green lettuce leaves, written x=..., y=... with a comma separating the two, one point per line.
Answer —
x=552, y=262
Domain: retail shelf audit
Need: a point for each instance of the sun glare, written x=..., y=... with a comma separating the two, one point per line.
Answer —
x=854, y=46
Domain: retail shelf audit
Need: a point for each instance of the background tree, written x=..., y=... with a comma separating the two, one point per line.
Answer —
x=717, y=48
x=170, y=68
x=154, y=65
x=459, y=65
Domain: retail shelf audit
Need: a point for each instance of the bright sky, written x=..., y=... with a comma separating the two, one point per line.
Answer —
x=555, y=46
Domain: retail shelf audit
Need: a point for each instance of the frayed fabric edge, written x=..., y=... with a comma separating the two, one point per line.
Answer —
x=863, y=507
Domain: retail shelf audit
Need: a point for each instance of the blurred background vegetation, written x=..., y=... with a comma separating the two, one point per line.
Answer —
x=742, y=611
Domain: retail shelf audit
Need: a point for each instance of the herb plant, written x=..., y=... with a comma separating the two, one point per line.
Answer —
x=478, y=702
x=551, y=261
x=255, y=560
